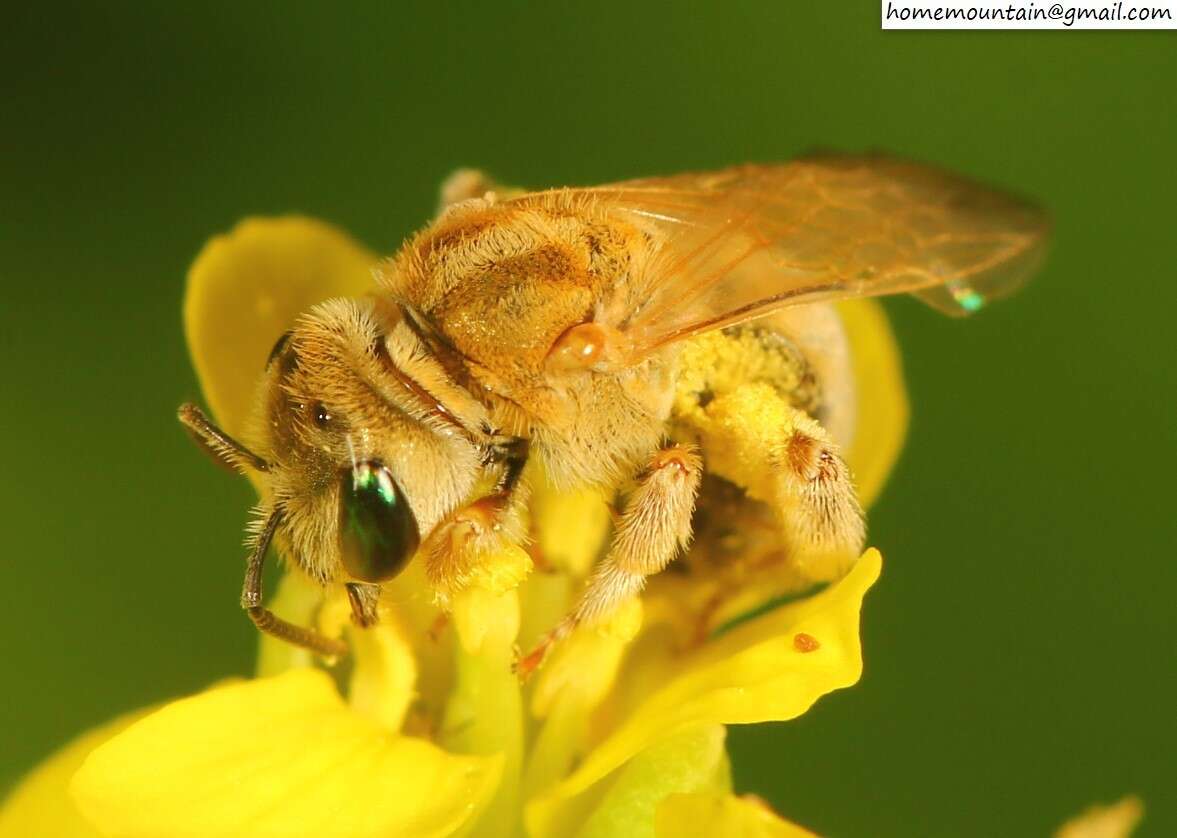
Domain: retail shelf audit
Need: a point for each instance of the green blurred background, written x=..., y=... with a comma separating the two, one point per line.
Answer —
x=1020, y=649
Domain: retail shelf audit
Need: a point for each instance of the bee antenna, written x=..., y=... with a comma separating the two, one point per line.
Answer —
x=222, y=448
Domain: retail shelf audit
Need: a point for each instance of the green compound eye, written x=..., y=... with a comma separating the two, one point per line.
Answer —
x=377, y=531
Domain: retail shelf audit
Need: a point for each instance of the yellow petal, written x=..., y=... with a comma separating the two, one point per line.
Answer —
x=276, y=756
x=384, y=679
x=486, y=621
x=296, y=600
x=692, y=760
x=1118, y=820
x=722, y=816
x=430, y=634
x=383, y=667
x=773, y=667
x=41, y=804
x=570, y=527
x=484, y=714
x=882, y=396
x=581, y=672
x=586, y=662
x=246, y=288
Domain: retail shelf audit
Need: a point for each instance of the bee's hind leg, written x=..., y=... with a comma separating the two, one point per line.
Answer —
x=819, y=507
x=653, y=528
x=780, y=455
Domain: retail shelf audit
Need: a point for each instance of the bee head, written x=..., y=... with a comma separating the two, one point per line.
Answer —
x=359, y=465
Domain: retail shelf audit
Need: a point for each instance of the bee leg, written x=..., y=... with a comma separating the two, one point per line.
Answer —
x=459, y=544
x=265, y=619
x=511, y=453
x=778, y=454
x=472, y=534
x=654, y=527
x=364, y=600
x=819, y=508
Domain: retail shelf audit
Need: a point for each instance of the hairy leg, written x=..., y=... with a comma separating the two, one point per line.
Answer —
x=457, y=545
x=266, y=620
x=654, y=527
x=815, y=494
x=468, y=538
x=753, y=437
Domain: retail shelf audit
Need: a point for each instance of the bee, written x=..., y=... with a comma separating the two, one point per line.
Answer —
x=567, y=327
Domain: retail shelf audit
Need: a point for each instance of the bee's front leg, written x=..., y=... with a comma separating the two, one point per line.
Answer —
x=265, y=619
x=473, y=533
x=470, y=537
x=654, y=527
x=364, y=599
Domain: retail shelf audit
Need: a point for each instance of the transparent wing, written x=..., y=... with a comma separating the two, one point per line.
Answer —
x=738, y=243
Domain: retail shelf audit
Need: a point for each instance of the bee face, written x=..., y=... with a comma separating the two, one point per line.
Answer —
x=359, y=477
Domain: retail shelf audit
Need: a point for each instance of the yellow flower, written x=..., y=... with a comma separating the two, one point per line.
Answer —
x=1117, y=820
x=426, y=731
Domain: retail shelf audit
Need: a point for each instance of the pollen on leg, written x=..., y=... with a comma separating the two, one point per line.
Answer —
x=654, y=527
x=461, y=545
